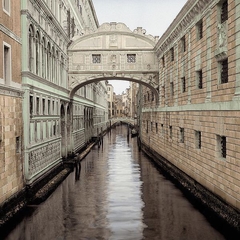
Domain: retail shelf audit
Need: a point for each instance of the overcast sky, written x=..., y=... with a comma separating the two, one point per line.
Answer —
x=154, y=16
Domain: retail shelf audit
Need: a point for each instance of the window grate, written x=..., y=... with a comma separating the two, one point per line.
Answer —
x=223, y=146
x=131, y=58
x=183, y=84
x=224, y=71
x=172, y=88
x=198, y=137
x=200, y=29
x=172, y=54
x=181, y=135
x=170, y=131
x=224, y=12
x=184, y=44
x=200, y=79
x=96, y=58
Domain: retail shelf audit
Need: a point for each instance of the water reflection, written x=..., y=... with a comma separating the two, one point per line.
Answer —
x=115, y=193
x=125, y=203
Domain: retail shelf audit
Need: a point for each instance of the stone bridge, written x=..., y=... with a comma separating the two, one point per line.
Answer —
x=113, y=52
x=128, y=120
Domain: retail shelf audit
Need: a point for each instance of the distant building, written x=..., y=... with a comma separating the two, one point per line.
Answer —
x=110, y=99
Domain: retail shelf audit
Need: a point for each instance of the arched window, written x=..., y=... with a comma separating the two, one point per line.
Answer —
x=53, y=64
x=37, y=53
x=48, y=67
x=57, y=67
x=61, y=70
x=30, y=49
x=43, y=58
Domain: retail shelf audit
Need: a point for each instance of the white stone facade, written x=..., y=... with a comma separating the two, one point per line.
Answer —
x=55, y=125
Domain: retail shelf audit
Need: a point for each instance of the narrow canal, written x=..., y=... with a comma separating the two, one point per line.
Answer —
x=118, y=195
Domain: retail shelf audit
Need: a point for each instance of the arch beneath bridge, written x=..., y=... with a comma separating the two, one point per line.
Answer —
x=113, y=52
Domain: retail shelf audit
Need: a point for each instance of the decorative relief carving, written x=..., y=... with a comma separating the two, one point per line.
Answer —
x=222, y=35
x=113, y=41
x=43, y=157
x=221, y=51
x=113, y=58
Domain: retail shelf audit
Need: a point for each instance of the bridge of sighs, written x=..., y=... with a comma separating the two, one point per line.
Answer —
x=113, y=52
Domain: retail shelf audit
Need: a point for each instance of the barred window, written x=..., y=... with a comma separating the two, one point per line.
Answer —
x=172, y=54
x=181, y=139
x=222, y=146
x=183, y=84
x=224, y=71
x=183, y=41
x=18, y=145
x=198, y=139
x=224, y=11
x=96, y=58
x=163, y=61
x=199, y=79
x=199, y=29
x=170, y=132
x=162, y=129
x=172, y=88
x=131, y=58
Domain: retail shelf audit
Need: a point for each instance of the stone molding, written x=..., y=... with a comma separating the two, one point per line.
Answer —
x=10, y=91
x=10, y=34
x=182, y=22
x=148, y=79
x=118, y=28
x=43, y=81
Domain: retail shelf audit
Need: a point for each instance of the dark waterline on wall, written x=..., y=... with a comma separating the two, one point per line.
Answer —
x=116, y=194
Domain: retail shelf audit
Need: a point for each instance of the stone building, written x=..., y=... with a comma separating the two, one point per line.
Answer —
x=133, y=99
x=197, y=122
x=110, y=98
x=11, y=131
x=56, y=125
x=119, y=105
x=126, y=102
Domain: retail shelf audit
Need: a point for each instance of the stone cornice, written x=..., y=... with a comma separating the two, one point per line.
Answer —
x=120, y=28
x=10, y=34
x=10, y=91
x=38, y=79
x=48, y=16
x=183, y=20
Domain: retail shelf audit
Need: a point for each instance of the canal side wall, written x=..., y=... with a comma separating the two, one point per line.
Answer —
x=221, y=215
x=39, y=191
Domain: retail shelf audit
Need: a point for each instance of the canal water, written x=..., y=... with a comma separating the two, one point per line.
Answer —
x=118, y=194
